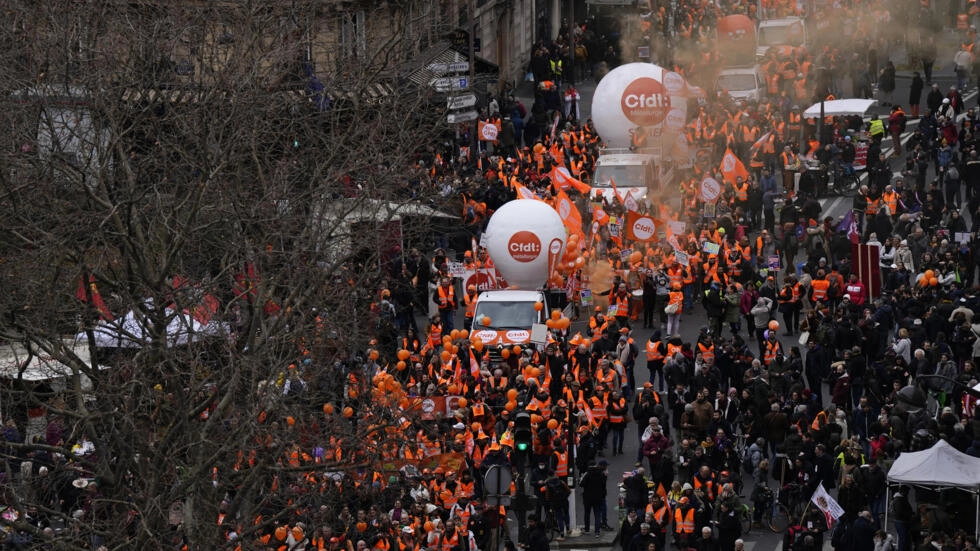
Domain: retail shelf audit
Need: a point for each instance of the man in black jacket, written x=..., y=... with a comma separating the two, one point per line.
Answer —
x=537, y=539
x=594, y=495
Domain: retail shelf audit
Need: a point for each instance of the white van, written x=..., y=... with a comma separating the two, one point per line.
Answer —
x=782, y=34
x=742, y=83
x=633, y=173
x=512, y=315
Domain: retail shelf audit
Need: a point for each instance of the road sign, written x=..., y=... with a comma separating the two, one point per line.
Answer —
x=457, y=67
x=453, y=118
x=461, y=102
x=448, y=84
x=497, y=480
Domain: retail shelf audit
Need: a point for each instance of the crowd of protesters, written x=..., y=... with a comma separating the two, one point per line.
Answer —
x=805, y=374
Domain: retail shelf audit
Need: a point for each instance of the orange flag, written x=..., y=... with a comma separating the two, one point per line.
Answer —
x=569, y=214
x=731, y=167
x=563, y=179
x=522, y=191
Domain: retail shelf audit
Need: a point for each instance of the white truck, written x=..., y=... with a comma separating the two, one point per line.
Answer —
x=633, y=173
x=783, y=34
x=512, y=315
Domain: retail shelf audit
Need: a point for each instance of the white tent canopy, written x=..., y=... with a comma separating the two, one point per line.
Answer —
x=942, y=466
x=838, y=107
x=133, y=330
x=41, y=367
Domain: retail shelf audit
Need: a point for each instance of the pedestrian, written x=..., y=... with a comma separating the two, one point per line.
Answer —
x=594, y=495
x=915, y=94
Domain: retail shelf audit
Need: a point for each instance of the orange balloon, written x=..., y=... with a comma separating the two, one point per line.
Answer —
x=454, y=334
x=572, y=240
x=773, y=325
x=579, y=262
x=281, y=533
x=536, y=419
x=428, y=526
x=509, y=406
x=555, y=314
x=475, y=427
x=929, y=274
x=290, y=421
x=348, y=412
x=462, y=403
x=400, y=366
x=505, y=353
x=374, y=355
x=563, y=323
x=477, y=344
x=552, y=424
x=635, y=257
x=454, y=349
x=534, y=372
x=446, y=355
x=550, y=323
x=933, y=281
x=587, y=342
x=328, y=408
x=923, y=282
x=453, y=389
x=446, y=340
x=512, y=395
x=485, y=321
x=517, y=350
x=538, y=306
x=464, y=334
x=404, y=354
x=361, y=526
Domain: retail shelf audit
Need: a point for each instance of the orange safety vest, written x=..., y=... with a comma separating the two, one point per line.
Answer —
x=617, y=417
x=820, y=287
x=872, y=208
x=707, y=352
x=891, y=199
x=673, y=349
x=598, y=409
x=684, y=522
x=659, y=515
x=435, y=336
x=622, y=304
x=676, y=297
x=446, y=298
x=653, y=351
x=470, y=303
x=561, y=467
x=742, y=193
x=773, y=348
x=819, y=421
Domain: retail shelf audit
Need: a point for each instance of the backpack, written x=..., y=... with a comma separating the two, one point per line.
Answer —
x=747, y=462
x=952, y=172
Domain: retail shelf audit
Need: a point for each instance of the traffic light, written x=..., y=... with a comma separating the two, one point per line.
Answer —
x=522, y=431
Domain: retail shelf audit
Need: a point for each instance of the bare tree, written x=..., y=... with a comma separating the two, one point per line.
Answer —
x=180, y=157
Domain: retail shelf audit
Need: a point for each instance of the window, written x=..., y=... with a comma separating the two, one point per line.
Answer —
x=353, y=35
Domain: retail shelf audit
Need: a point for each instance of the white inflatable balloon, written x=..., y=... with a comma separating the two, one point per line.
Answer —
x=525, y=239
x=638, y=94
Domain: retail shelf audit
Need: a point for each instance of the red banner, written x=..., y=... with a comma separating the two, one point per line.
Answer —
x=867, y=268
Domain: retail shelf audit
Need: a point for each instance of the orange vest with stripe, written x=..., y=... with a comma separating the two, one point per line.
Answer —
x=684, y=522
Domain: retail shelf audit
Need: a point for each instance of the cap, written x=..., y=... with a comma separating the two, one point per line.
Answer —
x=687, y=486
x=946, y=100
x=459, y=426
